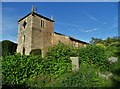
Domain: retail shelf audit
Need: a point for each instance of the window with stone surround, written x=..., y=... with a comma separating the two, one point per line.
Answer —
x=42, y=23
x=24, y=24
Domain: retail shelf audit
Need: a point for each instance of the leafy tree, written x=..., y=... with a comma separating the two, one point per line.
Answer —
x=95, y=40
x=8, y=47
x=106, y=42
x=94, y=54
x=58, y=59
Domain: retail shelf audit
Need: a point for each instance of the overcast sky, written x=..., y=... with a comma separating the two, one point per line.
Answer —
x=79, y=20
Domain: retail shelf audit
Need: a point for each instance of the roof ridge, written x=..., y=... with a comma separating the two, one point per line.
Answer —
x=37, y=15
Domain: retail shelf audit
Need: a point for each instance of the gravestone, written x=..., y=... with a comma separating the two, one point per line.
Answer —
x=75, y=63
x=112, y=60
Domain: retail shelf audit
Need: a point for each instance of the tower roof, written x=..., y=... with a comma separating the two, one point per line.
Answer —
x=34, y=13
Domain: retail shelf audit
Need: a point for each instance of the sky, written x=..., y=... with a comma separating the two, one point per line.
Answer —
x=81, y=20
x=59, y=0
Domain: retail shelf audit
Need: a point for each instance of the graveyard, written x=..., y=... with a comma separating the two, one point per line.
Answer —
x=96, y=65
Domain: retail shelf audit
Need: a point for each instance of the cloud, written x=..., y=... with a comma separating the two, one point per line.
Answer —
x=68, y=24
x=89, y=30
x=90, y=16
x=77, y=28
x=93, y=18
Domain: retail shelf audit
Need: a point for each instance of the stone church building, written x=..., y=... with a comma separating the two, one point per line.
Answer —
x=37, y=32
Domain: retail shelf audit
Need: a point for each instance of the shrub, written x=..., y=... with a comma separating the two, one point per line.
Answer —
x=58, y=59
x=8, y=47
x=16, y=68
x=111, y=51
x=93, y=54
x=101, y=45
x=36, y=52
x=115, y=69
x=62, y=49
x=86, y=77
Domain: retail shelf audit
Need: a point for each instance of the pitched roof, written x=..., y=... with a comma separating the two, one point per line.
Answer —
x=59, y=33
x=71, y=38
x=37, y=15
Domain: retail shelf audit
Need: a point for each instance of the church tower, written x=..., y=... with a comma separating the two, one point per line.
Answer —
x=35, y=32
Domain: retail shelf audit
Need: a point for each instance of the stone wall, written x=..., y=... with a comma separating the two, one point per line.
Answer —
x=66, y=39
x=60, y=38
x=24, y=35
x=41, y=36
x=34, y=36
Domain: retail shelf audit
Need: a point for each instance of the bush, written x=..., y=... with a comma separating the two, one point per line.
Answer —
x=61, y=50
x=112, y=51
x=93, y=54
x=86, y=77
x=36, y=52
x=8, y=47
x=16, y=68
x=57, y=59
x=115, y=68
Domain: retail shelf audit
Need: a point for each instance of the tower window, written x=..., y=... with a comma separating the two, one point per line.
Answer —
x=23, y=51
x=24, y=38
x=42, y=23
x=24, y=24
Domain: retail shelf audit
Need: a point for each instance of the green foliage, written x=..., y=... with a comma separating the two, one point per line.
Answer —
x=115, y=68
x=96, y=40
x=106, y=42
x=61, y=50
x=110, y=41
x=85, y=77
x=36, y=52
x=23, y=69
x=54, y=70
x=101, y=45
x=16, y=68
x=8, y=47
x=58, y=59
x=93, y=54
x=111, y=51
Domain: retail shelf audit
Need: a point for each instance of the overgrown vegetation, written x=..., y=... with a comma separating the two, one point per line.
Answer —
x=8, y=47
x=85, y=77
x=55, y=70
x=17, y=68
x=94, y=54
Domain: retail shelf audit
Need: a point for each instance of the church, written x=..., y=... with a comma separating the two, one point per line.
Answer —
x=37, y=32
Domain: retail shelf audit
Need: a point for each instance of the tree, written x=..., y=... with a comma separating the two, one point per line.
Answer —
x=8, y=47
x=96, y=40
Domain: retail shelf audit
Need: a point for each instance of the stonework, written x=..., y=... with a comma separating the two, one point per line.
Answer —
x=75, y=63
x=37, y=32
